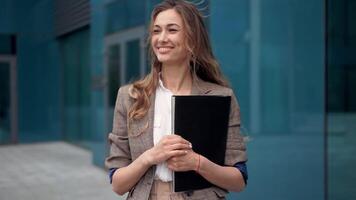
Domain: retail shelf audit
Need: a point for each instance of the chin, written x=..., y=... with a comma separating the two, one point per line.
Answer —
x=163, y=59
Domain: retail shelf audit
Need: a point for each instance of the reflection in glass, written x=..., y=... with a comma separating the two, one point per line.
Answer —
x=341, y=99
x=76, y=87
x=133, y=60
x=113, y=73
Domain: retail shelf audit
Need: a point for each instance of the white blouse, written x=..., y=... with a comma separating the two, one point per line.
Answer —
x=162, y=126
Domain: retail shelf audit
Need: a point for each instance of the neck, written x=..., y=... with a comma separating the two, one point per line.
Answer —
x=177, y=78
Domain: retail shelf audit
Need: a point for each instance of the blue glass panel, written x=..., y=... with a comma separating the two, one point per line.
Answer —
x=124, y=14
x=273, y=54
x=132, y=60
x=38, y=72
x=8, y=16
x=74, y=49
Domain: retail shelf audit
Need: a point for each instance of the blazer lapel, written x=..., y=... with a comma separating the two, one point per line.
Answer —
x=141, y=130
x=147, y=138
x=199, y=87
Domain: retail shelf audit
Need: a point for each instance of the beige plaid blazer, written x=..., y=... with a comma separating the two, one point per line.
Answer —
x=129, y=139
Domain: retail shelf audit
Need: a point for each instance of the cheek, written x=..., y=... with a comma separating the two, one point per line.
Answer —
x=179, y=41
x=153, y=40
x=180, y=38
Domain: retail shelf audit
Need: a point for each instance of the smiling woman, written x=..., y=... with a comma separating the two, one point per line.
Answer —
x=144, y=153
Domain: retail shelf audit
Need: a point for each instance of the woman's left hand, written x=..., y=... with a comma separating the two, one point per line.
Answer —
x=187, y=162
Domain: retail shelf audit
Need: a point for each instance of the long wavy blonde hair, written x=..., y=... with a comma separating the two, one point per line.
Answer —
x=202, y=61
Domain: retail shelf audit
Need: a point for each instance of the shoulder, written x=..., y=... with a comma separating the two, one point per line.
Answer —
x=125, y=89
x=123, y=95
x=215, y=89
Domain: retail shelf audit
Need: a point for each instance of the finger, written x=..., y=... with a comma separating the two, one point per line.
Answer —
x=177, y=153
x=175, y=159
x=170, y=162
x=179, y=146
x=171, y=167
x=174, y=140
x=176, y=167
x=171, y=136
x=167, y=141
x=180, y=140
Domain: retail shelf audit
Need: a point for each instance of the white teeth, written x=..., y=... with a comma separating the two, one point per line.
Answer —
x=164, y=49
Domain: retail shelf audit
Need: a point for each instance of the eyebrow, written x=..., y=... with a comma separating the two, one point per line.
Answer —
x=168, y=25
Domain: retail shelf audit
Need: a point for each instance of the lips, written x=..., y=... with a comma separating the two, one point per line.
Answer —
x=164, y=49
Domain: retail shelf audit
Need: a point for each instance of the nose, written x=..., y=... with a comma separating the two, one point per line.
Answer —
x=162, y=36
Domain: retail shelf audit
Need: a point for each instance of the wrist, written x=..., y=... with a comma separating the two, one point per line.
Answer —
x=145, y=159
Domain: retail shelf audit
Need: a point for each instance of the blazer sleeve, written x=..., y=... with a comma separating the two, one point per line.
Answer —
x=119, y=155
x=235, y=146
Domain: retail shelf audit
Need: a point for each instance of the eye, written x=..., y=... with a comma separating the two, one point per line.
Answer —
x=155, y=31
x=172, y=30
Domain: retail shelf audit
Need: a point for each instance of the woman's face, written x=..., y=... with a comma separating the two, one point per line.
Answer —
x=168, y=38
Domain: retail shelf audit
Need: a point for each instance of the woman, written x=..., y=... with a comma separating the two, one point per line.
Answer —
x=143, y=153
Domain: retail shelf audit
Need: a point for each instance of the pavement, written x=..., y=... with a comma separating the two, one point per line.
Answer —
x=51, y=171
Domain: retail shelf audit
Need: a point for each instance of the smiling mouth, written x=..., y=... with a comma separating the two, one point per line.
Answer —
x=164, y=49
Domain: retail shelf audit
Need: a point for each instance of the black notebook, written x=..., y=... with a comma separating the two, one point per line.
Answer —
x=202, y=120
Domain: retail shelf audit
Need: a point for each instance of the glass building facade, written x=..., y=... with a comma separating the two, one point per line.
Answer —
x=291, y=64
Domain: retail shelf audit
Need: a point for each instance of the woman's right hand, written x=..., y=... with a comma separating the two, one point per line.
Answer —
x=168, y=146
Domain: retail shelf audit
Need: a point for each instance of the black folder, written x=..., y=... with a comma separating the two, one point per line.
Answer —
x=202, y=120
